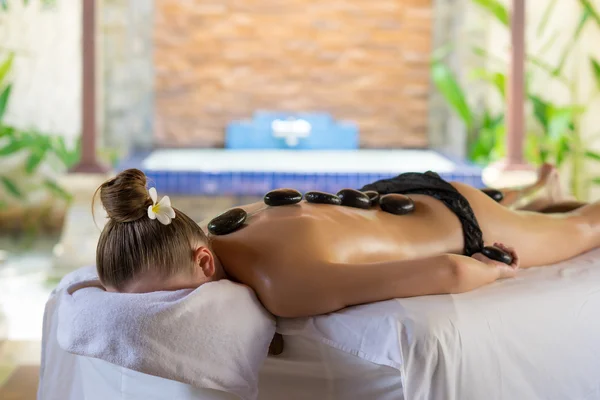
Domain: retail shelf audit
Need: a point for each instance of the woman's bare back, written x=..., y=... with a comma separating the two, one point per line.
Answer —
x=305, y=234
x=307, y=259
x=295, y=245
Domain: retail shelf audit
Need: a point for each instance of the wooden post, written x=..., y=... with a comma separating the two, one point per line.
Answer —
x=514, y=170
x=88, y=162
x=515, y=113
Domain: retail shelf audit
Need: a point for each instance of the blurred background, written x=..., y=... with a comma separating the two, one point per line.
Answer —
x=221, y=101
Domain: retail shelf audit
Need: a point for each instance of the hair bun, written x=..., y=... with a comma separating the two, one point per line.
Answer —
x=125, y=197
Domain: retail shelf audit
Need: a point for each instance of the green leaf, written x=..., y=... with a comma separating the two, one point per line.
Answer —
x=495, y=8
x=448, y=86
x=482, y=148
x=11, y=187
x=587, y=5
x=4, y=96
x=13, y=146
x=596, y=71
x=439, y=54
x=540, y=111
x=497, y=79
x=532, y=148
x=497, y=121
x=563, y=149
x=487, y=145
x=593, y=155
x=499, y=150
x=38, y=140
x=563, y=58
x=587, y=13
x=491, y=122
x=585, y=17
x=481, y=52
x=34, y=160
x=66, y=156
x=544, y=21
x=549, y=43
x=543, y=154
x=544, y=66
x=57, y=190
x=7, y=131
x=559, y=122
x=5, y=67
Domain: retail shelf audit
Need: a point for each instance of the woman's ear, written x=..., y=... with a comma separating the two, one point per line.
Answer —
x=204, y=261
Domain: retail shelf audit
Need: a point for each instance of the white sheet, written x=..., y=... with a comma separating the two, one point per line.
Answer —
x=101, y=380
x=533, y=337
x=309, y=370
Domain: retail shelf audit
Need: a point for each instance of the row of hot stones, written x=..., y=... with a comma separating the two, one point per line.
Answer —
x=393, y=203
x=397, y=204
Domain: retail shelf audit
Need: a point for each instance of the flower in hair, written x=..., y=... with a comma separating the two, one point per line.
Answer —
x=162, y=211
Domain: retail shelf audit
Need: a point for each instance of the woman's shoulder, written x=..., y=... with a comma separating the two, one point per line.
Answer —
x=249, y=208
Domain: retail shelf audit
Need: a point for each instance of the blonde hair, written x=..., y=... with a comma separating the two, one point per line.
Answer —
x=132, y=244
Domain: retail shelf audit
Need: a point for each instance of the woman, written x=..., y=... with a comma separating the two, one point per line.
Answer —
x=309, y=259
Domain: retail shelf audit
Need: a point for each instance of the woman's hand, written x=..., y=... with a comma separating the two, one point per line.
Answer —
x=507, y=249
x=478, y=270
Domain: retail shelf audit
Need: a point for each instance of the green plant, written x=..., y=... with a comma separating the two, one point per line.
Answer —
x=4, y=3
x=37, y=147
x=553, y=129
x=34, y=147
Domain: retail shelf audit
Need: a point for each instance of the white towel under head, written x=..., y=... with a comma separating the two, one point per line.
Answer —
x=216, y=336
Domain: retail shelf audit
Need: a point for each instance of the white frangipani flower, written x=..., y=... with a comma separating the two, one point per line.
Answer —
x=161, y=210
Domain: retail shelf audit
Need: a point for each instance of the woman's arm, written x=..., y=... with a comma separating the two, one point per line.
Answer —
x=330, y=287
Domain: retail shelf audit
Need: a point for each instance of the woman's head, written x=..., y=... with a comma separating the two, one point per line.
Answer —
x=139, y=254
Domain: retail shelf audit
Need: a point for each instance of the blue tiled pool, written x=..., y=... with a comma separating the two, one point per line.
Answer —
x=254, y=172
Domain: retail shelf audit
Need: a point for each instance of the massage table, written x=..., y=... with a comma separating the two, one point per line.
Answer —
x=536, y=336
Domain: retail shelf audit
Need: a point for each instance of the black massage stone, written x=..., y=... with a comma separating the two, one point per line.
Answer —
x=322, y=198
x=373, y=196
x=497, y=254
x=435, y=174
x=354, y=198
x=396, y=204
x=276, y=346
x=282, y=197
x=494, y=194
x=227, y=222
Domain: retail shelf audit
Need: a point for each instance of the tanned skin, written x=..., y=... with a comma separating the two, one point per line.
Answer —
x=309, y=259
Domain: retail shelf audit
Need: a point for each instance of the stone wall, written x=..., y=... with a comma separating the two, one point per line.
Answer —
x=445, y=131
x=458, y=27
x=127, y=73
x=361, y=60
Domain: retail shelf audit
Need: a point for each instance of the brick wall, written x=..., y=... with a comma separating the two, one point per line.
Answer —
x=361, y=60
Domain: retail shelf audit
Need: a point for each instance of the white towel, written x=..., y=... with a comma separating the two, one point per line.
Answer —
x=216, y=336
